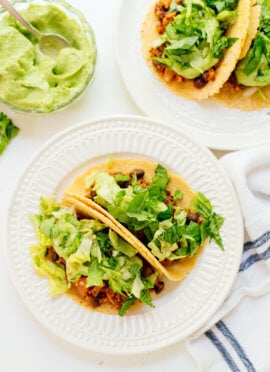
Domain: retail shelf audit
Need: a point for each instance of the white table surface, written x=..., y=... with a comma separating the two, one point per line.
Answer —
x=25, y=344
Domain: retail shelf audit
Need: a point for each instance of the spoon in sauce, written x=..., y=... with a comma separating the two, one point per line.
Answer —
x=48, y=44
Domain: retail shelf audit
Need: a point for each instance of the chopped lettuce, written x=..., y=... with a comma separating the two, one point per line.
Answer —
x=76, y=262
x=54, y=272
x=200, y=204
x=105, y=186
x=165, y=229
x=86, y=248
x=7, y=131
x=221, y=5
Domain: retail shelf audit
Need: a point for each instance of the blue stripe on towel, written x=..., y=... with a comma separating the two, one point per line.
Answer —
x=254, y=258
x=235, y=344
x=258, y=242
x=218, y=344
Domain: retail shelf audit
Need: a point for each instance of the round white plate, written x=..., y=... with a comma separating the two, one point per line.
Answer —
x=183, y=307
x=209, y=122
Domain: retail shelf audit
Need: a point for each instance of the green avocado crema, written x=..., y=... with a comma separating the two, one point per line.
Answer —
x=254, y=69
x=33, y=81
x=195, y=40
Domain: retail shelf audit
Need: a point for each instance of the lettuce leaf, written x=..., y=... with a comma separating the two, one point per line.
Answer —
x=126, y=305
x=202, y=205
x=157, y=189
x=75, y=264
x=54, y=273
x=104, y=185
x=95, y=274
x=221, y=5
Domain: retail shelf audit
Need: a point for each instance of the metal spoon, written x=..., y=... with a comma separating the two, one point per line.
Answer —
x=48, y=44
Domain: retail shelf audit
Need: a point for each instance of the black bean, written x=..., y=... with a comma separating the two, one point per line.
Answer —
x=139, y=173
x=158, y=286
x=193, y=217
x=93, y=194
x=95, y=301
x=199, y=82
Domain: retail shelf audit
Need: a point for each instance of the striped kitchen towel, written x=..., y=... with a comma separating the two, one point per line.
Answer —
x=237, y=338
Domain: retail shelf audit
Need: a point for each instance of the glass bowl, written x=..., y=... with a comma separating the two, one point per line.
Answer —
x=30, y=81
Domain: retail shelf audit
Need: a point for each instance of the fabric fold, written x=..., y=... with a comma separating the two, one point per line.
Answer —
x=237, y=337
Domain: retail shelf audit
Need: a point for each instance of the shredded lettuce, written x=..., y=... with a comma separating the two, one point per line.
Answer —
x=105, y=185
x=200, y=204
x=165, y=229
x=55, y=273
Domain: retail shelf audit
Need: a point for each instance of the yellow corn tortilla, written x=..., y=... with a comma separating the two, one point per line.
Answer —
x=243, y=99
x=255, y=13
x=187, y=89
x=179, y=268
x=246, y=98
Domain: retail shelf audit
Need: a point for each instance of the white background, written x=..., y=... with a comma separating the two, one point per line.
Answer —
x=26, y=345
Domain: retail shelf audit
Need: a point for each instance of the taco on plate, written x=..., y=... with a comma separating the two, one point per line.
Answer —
x=152, y=209
x=194, y=45
x=248, y=88
x=86, y=259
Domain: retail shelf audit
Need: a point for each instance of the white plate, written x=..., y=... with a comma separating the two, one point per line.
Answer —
x=183, y=307
x=209, y=122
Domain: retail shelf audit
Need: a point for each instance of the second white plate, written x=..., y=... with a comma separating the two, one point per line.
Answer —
x=183, y=307
x=209, y=122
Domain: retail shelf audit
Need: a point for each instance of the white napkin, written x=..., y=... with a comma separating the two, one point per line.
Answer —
x=237, y=338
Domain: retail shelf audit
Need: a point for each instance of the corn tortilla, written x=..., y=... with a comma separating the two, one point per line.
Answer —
x=187, y=89
x=254, y=23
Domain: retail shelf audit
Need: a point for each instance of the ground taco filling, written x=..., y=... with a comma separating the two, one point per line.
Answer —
x=172, y=225
x=82, y=256
x=192, y=39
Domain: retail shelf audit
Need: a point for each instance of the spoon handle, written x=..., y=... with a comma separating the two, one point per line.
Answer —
x=15, y=14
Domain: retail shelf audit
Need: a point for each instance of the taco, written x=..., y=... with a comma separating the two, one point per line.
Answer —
x=193, y=45
x=86, y=259
x=248, y=88
x=154, y=210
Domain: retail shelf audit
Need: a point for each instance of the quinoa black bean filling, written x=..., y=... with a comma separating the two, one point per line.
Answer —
x=98, y=295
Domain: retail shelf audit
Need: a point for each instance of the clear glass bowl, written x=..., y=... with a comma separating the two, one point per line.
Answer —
x=58, y=81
